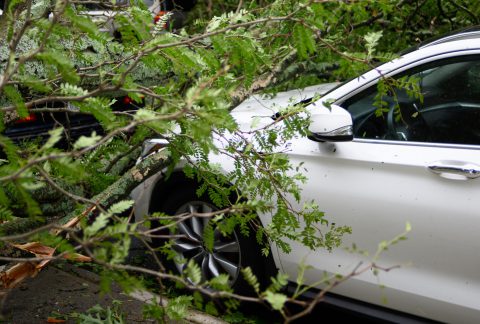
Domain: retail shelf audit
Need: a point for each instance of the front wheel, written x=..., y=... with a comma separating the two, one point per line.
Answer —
x=229, y=253
x=225, y=257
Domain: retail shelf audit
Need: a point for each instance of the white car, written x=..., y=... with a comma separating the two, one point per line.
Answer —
x=375, y=174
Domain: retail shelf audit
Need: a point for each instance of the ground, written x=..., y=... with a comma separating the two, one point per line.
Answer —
x=56, y=292
x=61, y=291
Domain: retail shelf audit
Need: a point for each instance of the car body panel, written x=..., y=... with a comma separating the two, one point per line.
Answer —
x=376, y=189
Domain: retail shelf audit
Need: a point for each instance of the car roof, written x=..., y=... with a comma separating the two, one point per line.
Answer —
x=472, y=32
x=458, y=45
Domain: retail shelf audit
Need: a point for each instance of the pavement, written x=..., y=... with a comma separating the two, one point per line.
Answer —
x=58, y=295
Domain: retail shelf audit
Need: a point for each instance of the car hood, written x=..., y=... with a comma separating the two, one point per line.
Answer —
x=258, y=109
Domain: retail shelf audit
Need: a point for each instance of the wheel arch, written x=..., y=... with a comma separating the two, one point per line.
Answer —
x=165, y=185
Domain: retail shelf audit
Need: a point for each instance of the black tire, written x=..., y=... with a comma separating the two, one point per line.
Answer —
x=248, y=253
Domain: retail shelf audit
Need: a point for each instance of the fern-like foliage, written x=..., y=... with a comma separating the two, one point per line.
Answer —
x=5, y=214
x=251, y=279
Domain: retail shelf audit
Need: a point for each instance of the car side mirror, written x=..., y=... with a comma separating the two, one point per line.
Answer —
x=332, y=124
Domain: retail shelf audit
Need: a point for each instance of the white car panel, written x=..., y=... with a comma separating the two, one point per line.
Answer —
x=376, y=189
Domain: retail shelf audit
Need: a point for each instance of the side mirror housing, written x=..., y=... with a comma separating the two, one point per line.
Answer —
x=332, y=124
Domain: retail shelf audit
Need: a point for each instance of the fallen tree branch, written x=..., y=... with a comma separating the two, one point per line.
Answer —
x=115, y=192
x=266, y=80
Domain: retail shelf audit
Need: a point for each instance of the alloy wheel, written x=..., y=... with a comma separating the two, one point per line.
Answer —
x=224, y=258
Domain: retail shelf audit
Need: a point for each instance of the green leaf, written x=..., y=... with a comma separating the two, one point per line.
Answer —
x=275, y=299
x=177, y=307
x=10, y=149
x=85, y=25
x=32, y=185
x=120, y=250
x=121, y=206
x=220, y=282
x=100, y=222
x=193, y=272
x=84, y=141
x=408, y=227
x=211, y=309
x=2, y=122
x=304, y=41
x=55, y=137
x=36, y=84
x=144, y=114
x=100, y=109
x=132, y=25
x=31, y=206
x=3, y=198
x=68, y=89
x=371, y=40
x=12, y=4
x=208, y=236
x=64, y=65
x=16, y=97
x=251, y=279
x=280, y=281
x=5, y=214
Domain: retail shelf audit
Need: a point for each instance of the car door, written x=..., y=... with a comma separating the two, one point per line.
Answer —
x=416, y=162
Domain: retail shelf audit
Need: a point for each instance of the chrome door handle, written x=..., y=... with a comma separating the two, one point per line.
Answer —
x=455, y=169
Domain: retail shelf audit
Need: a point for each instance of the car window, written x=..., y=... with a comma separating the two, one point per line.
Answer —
x=109, y=5
x=437, y=102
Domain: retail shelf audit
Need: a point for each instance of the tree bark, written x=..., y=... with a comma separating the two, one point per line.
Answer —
x=264, y=81
x=119, y=190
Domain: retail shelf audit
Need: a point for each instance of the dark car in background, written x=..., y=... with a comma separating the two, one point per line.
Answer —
x=75, y=123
